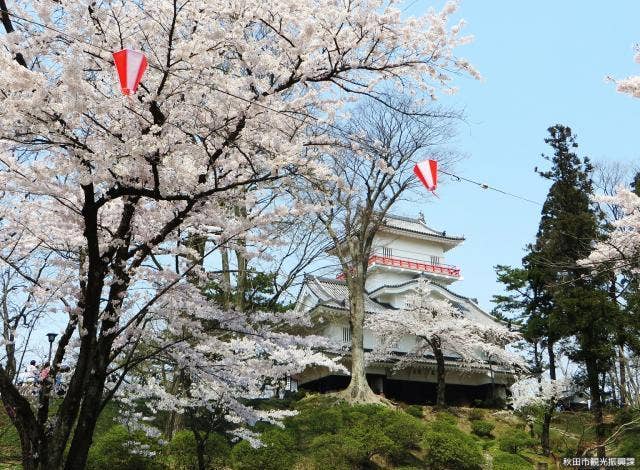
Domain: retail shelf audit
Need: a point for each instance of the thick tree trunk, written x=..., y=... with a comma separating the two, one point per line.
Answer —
x=548, y=414
x=623, y=377
x=546, y=425
x=83, y=434
x=241, y=277
x=174, y=420
x=201, y=443
x=440, y=372
x=596, y=405
x=226, y=279
x=28, y=438
x=634, y=390
x=358, y=390
x=552, y=360
x=615, y=384
x=622, y=388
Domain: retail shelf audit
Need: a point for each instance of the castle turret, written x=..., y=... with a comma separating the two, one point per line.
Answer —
x=405, y=248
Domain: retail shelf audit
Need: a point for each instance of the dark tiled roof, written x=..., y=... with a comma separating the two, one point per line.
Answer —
x=406, y=283
x=409, y=224
x=334, y=293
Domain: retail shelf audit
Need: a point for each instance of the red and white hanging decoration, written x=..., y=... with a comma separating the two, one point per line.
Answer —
x=130, y=65
x=427, y=172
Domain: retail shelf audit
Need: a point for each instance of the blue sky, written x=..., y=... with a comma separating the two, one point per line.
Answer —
x=543, y=62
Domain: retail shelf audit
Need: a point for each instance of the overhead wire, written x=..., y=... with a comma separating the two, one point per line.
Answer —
x=290, y=114
x=492, y=188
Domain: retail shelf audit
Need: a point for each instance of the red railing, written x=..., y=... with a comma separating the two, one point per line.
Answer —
x=416, y=265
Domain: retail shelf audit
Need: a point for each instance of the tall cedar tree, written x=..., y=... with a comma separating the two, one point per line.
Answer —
x=568, y=228
x=628, y=326
x=560, y=298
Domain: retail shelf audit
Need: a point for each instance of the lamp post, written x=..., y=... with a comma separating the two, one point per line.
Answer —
x=51, y=337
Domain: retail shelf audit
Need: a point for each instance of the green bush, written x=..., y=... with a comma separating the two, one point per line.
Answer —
x=625, y=415
x=277, y=452
x=507, y=461
x=415, y=410
x=449, y=448
x=121, y=449
x=476, y=414
x=482, y=428
x=181, y=453
x=515, y=441
x=334, y=435
x=630, y=445
x=344, y=452
x=447, y=418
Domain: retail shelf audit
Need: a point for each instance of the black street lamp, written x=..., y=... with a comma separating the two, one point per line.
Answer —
x=51, y=337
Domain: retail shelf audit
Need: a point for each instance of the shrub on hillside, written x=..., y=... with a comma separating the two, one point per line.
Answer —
x=121, y=449
x=181, y=453
x=476, y=414
x=278, y=452
x=482, y=428
x=448, y=447
x=506, y=461
x=415, y=410
x=626, y=415
x=336, y=435
x=353, y=450
x=630, y=445
x=515, y=441
x=445, y=417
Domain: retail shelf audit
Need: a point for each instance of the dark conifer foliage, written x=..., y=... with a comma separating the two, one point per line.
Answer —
x=561, y=300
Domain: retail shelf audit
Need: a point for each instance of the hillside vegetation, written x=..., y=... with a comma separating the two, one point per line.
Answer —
x=328, y=434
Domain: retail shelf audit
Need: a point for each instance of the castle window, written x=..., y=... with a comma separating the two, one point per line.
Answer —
x=435, y=260
x=346, y=335
x=386, y=252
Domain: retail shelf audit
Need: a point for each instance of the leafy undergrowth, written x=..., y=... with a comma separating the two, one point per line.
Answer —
x=330, y=434
x=327, y=433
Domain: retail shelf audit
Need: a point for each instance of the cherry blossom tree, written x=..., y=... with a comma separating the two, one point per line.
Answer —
x=537, y=398
x=372, y=153
x=623, y=242
x=630, y=85
x=439, y=328
x=107, y=189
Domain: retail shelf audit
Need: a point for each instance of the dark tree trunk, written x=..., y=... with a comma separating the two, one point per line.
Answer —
x=226, y=279
x=436, y=347
x=201, y=443
x=546, y=425
x=623, y=376
x=622, y=384
x=83, y=434
x=596, y=405
x=174, y=420
x=612, y=379
x=552, y=360
x=537, y=364
x=241, y=277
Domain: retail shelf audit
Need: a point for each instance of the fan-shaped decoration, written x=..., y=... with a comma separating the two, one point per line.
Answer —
x=130, y=65
x=427, y=172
